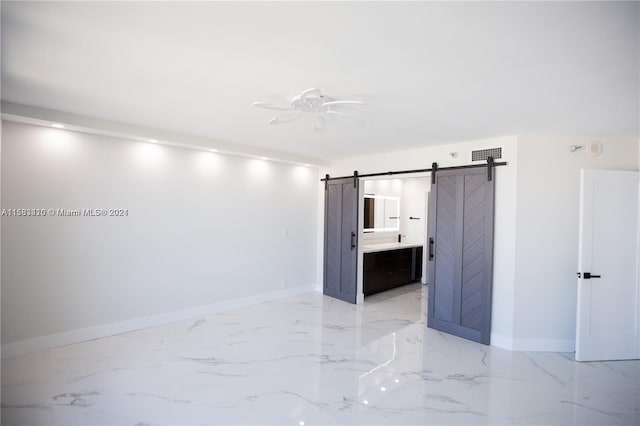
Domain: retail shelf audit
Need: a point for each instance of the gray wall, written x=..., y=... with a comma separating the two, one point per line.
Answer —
x=202, y=228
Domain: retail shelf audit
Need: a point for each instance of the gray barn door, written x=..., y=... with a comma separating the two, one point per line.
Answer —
x=340, y=239
x=461, y=253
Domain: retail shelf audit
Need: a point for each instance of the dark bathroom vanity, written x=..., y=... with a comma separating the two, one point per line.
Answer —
x=391, y=265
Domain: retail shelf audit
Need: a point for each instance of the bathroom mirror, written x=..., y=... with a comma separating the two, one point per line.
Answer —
x=381, y=213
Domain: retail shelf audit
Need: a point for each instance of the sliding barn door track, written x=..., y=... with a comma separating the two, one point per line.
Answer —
x=490, y=164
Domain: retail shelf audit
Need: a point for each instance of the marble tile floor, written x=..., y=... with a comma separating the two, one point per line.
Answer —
x=312, y=360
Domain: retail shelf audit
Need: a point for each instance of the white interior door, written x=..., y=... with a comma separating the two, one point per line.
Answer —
x=608, y=319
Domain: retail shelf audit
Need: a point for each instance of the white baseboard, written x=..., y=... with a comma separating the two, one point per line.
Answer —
x=532, y=345
x=502, y=341
x=103, y=330
x=544, y=345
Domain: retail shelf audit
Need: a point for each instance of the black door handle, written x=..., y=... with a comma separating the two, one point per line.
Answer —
x=588, y=276
x=353, y=240
x=430, y=248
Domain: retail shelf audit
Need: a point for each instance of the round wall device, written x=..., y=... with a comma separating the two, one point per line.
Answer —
x=594, y=148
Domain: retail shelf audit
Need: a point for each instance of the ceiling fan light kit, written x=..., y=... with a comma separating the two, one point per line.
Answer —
x=310, y=101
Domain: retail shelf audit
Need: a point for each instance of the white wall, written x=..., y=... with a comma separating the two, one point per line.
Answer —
x=202, y=228
x=547, y=234
x=505, y=216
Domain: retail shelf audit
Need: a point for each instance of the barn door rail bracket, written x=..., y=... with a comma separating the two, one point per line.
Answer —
x=490, y=164
x=434, y=169
x=355, y=178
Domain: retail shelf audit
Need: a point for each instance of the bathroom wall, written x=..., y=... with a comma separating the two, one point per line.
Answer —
x=388, y=188
x=412, y=194
x=414, y=204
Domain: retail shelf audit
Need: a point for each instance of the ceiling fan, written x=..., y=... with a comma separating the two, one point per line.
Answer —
x=310, y=101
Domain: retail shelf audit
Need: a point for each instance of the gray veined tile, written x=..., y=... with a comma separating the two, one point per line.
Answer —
x=315, y=360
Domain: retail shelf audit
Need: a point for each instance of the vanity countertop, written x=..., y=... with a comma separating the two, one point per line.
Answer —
x=371, y=248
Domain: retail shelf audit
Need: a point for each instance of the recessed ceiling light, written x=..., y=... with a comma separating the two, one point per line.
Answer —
x=365, y=402
x=57, y=126
x=383, y=389
x=307, y=165
x=153, y=141
x=213, y=150
x=301, y=423
x=264, y=158
x=397, y=381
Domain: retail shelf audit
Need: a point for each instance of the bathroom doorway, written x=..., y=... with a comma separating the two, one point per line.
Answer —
x=392, y=233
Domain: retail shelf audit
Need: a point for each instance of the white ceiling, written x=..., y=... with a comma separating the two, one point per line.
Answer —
x=430, y=72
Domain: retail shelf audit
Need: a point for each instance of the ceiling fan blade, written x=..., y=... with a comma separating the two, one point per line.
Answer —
x=309, y=91
x=347, y=116
x=331, y=103
x=280, y=120
x=269, y=105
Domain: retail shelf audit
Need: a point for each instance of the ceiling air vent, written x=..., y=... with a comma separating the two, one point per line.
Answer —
x=483, y=154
